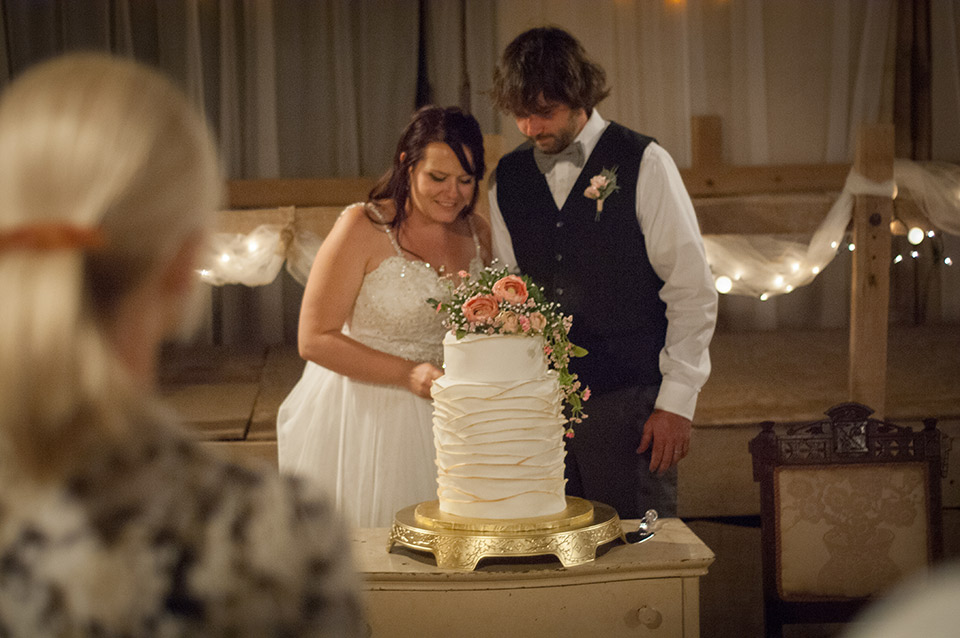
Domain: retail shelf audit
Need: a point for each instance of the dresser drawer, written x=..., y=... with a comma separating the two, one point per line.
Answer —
x=645, y=607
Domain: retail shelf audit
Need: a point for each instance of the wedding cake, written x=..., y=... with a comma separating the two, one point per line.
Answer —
x=498, y=419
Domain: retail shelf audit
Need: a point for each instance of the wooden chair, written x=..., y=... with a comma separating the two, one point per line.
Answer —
x=849, y=505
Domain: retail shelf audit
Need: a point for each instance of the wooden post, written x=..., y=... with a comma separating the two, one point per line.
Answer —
x=870, y=298
x=706, y=141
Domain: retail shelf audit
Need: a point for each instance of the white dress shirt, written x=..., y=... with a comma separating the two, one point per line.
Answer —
x=675, y=250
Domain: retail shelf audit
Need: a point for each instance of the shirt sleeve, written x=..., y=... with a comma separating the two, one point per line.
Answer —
x=500, y=239
x=676, y=253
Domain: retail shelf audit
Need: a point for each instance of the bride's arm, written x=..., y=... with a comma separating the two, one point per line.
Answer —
x=332, y=288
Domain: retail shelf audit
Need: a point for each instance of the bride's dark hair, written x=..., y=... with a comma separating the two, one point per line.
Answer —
x=430, y=124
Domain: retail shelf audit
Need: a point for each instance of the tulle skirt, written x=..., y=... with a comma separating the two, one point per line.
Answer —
x=370, y=445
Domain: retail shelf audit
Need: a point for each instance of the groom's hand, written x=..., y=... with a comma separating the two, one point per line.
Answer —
x=669, y=434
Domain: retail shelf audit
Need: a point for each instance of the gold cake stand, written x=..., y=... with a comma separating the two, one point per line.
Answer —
x=456, y=542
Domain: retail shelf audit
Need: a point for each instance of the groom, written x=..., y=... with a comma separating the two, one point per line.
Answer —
x=624, y=257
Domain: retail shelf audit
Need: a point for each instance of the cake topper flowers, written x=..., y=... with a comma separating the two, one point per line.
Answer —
x=601, y=187
x=497, y=302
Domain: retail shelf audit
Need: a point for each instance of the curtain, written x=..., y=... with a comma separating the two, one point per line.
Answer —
x=323, y=88
x=790, y=80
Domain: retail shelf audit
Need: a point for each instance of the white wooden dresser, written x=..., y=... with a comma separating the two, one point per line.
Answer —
x=646, y=589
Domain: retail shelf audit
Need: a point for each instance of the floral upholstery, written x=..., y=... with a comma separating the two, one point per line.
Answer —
x=849, y=531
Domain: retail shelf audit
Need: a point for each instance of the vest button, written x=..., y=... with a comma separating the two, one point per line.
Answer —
x=559, y=257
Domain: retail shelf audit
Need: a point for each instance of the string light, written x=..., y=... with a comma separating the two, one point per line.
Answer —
x=947, y=261
x=930, y=234
x=764, y=296
x=723, y=284
x=898, y=259
x=914, y=254
x=225, y=257
x=252, y=245
x=851, y=247
x=915, y=235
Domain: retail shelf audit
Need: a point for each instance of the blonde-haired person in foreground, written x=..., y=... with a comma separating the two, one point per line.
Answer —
x=112, y=521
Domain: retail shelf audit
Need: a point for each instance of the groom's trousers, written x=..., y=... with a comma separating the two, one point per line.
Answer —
x=602, y=463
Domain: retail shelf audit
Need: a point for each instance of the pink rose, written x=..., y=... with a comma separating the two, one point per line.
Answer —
x=508, y=321
x=537, y=321
x=598, y=182
x=480, y=308
x=592, y=192
x=510, y=289
x=524, y=323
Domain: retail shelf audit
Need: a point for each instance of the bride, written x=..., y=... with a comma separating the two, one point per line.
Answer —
x=359, y=419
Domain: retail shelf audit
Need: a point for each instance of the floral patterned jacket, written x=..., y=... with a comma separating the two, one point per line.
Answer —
x=158, y=537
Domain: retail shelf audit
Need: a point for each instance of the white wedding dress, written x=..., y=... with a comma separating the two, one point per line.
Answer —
x=371, y=445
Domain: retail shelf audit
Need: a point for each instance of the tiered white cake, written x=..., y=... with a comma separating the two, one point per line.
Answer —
x=498, y=429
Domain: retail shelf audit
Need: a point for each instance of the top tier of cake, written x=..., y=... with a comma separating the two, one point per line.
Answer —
x=494, y=358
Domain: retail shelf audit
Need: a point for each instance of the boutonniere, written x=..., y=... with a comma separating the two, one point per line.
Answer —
x=601, y=187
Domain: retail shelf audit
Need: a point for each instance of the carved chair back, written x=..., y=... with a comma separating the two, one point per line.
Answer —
x=849, y=505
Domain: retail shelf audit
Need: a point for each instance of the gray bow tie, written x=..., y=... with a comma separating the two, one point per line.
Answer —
x=573, y=154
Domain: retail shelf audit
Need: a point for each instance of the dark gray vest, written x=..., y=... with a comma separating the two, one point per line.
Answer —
x=597, y=270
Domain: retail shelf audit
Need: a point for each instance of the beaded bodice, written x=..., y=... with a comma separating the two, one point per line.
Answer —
x=391, y=313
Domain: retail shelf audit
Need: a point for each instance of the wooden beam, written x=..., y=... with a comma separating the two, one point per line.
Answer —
x=315, y=219
x=870, y=294
x=724, y=181
x=267, y=193
x=792, y=214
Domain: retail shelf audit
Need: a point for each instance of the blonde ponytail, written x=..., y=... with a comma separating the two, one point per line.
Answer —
x=96, y=143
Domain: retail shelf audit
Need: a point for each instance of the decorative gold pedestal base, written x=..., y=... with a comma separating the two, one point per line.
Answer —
x=572, y=535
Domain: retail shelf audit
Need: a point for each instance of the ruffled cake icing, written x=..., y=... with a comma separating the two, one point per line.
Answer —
x=498, y=429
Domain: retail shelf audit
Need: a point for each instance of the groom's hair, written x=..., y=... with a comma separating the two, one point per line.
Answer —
x=546, y=64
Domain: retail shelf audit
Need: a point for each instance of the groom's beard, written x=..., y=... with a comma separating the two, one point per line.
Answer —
x=551, y=143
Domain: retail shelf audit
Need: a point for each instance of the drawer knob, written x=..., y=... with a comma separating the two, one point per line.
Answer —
x=649, y=617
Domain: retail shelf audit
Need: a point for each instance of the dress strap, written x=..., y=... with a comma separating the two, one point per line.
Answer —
x=386, y=227
x=476, y=240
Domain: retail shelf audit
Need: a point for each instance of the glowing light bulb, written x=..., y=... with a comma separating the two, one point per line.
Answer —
x=789, y=288
x=898, y=259
x=948, y=261
x=738, y=275
x=851, y=247
x=224, y=257
x=914, y=254
x=915, y=235
x=764, y=296
x=204, y=272
x=795, y=266
x=815, y=270
x=252, y=245
x=930, y=233
x=723, y=284
x=833, y=244
x=778, y=281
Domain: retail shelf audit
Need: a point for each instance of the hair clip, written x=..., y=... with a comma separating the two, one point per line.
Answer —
x=45, y=236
